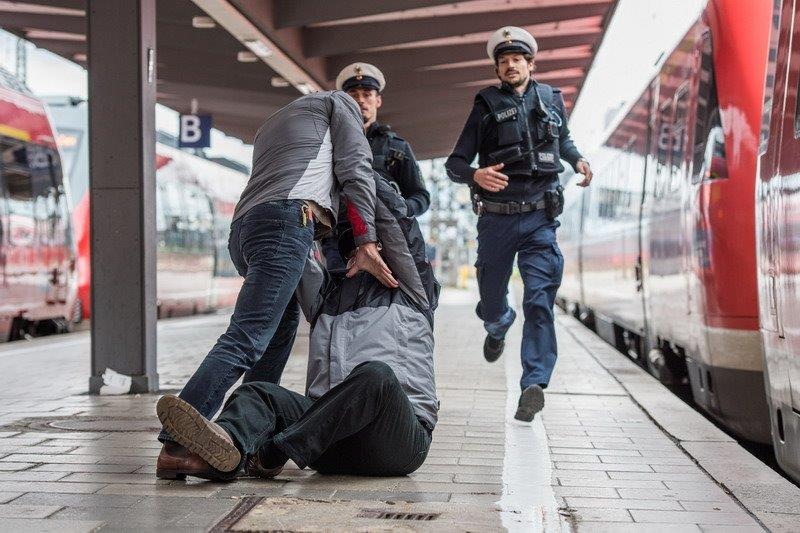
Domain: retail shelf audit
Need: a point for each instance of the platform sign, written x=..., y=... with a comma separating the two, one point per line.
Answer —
x=195, y=131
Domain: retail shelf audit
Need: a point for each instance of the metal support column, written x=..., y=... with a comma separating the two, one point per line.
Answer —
x=122, y=88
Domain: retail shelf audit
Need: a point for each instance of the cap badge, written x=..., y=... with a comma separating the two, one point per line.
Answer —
x=359, y=73
x=507, y=35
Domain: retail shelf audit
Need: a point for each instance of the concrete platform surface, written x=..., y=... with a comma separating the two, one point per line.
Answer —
x=612, y=451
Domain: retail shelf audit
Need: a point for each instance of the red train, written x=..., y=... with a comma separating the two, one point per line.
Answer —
x=661, y=249
x=195, y=198
x=778, y=232
x=37, y=252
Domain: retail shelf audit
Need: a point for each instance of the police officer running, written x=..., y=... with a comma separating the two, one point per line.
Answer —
x=519, y=132
x=391, y=155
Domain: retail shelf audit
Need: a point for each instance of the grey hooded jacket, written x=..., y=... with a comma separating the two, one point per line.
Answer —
x=355, y=320
x=310, y=150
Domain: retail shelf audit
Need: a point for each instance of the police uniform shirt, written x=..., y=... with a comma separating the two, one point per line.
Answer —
x=400, y=168
x=480, y=135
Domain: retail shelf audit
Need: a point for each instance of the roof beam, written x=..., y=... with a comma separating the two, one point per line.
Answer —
x=407, y=59
x=345, y=38
x=31, y=21
x=294, y=13
x=453, y=76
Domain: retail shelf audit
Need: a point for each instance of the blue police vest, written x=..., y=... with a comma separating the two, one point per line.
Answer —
x=528, y=128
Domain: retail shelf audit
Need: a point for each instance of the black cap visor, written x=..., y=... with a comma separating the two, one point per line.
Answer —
x=366, y=82
x=518, y=47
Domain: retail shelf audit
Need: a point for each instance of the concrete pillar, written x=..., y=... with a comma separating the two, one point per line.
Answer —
x=122, y=88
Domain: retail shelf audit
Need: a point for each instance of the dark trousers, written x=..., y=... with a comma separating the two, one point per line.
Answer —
x=364, y=426
x=269, y=246
x=531, y=237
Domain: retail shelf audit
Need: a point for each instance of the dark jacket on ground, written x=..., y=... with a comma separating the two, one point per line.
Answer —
x=357, y=319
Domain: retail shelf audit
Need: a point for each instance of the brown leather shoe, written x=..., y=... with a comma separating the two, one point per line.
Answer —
x=176, y=462
x=254, y=468
x=203, y=437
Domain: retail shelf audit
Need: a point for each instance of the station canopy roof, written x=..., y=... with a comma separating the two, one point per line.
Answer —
x=432, y=52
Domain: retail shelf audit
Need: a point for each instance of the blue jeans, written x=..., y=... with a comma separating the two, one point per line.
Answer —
x=269, y=246
x=532, y=238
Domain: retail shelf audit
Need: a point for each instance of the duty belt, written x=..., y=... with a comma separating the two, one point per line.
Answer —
x=510, y=208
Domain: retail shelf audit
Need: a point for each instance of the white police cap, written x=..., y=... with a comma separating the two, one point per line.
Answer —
x=511, y=39
x=360, y=75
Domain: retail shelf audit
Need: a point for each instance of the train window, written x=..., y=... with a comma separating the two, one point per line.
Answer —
x=663, y=147
x=679, y=137
x=17, y=188
x=707, y=109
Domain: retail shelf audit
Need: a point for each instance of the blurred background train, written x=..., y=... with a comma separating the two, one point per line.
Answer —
x=45, y=277
x=663, y=255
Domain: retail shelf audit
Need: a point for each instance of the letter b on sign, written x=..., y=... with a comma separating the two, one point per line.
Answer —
x=195, y=131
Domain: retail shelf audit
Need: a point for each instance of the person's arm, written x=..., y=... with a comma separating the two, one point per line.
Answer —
x=458, y=165
x=568, y=151
x=412, y=187
x=352, y=165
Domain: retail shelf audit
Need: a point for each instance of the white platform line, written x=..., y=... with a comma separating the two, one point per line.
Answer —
x=528, y=502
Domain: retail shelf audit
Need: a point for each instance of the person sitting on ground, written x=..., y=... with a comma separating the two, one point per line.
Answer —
x=370, y=405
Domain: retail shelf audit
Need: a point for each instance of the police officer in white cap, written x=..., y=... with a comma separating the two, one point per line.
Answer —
x=391, y=155
x=519, y=132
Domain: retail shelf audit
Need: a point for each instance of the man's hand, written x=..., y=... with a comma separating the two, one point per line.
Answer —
x=369, y=259
x=584, y=168
x=490, y=179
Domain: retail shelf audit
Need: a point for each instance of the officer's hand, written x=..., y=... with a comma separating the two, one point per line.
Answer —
x=584, y=168
x=490, y=179
x=369, y=259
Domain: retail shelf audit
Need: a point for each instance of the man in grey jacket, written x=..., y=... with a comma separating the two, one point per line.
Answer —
x=370, y=405
x=303, y=155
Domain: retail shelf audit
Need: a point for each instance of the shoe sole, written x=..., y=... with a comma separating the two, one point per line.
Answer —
x=531, y=402
x=190, y=429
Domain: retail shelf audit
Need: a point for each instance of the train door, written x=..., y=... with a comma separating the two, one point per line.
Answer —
x=787, y=285
x=23, y=269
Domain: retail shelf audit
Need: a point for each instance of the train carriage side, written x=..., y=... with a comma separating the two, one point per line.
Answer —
x=671, y=281
x=778, y=225
x=37, y=255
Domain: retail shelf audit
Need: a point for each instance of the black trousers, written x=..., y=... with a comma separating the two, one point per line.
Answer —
x=364, y=426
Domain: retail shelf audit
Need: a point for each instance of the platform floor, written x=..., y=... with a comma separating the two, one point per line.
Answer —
x=613, y=450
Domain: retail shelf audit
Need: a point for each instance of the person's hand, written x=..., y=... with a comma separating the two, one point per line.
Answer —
x=490, y=179
x=368, y=259
x=584, y=168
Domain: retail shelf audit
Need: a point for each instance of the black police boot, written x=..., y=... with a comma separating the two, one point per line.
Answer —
x=531, y=401
x=493, y=348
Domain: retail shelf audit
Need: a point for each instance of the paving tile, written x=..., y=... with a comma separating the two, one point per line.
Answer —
x=49, y=525
x=6, y=497
x=711, y=495
x=411, y=486
x=27, y=511
x=188, y=491
x=53, y=486
x=693, y=517
x=621, y=503
x=587, y=492
x=728, y=506
x=606, y=467
x=693, y=477
x=13, y=467
x=574, y=481
x=602, y=515
x=648, y=460
x=392, y=496
x=605, y=527
x=39, y=458
x=79, y=467
x=99, y=477
x=78, y=500
x=27, y=475
x=593, y=451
